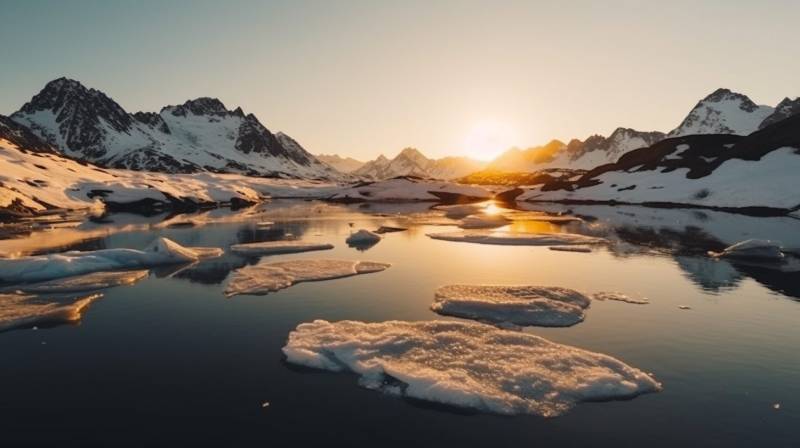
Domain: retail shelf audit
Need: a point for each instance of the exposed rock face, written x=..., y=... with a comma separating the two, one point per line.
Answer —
x=200, y=134
x=785, y=109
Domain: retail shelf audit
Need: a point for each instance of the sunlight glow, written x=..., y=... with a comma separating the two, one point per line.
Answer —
x=488, y=139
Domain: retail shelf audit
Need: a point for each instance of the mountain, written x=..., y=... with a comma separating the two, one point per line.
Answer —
x=783, y=110
x=595, y=150
x=343, y=164
x=411, y=162
x=198, y=135
x=723, y=112
x=757, y=172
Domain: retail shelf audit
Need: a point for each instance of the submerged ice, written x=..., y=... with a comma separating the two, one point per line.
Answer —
x=264, y=277
x=754, y=249
x=466, y=364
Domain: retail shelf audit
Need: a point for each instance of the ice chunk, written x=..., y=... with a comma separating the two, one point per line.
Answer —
x=620, y=297
x=264, y=277
x=482, y=221
x=519, y=305
x=517, y=238
x=459, y=211
x=757, y=249
x=22, y=310
x=466, y=364
x=571, y=248
x=84, y=283
x=278, y=247
x=46, y=267
x=363, y=236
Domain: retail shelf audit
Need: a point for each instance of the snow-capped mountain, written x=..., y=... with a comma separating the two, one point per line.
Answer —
x=411, y=162
x=723, y=112
x=594, y=151
x=343, y=164
x=198, y=135
x=783, y=110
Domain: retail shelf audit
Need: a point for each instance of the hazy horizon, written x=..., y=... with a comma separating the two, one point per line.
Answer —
x=360, y=79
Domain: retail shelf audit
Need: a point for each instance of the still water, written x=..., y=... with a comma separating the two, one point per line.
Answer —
x=171, y=361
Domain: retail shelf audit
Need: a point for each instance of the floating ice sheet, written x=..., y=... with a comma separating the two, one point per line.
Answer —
x=619, y=297
x=517, y=238
x=278, y=247
x=263, y=278
x=518, y=305
x=46, y=267
x=22, y=310
x=83, y=283
x=466, y=364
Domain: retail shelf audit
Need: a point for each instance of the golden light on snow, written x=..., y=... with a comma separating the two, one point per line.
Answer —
x=488, y=139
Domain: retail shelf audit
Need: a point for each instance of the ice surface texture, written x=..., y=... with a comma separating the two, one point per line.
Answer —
x=21, y=310
x=467, y=365
x=264, y=277
x=278, y=247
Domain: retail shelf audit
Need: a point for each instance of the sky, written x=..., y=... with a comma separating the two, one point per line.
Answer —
x=460, y=77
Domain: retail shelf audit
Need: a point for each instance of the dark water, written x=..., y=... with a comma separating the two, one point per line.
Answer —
x=171, y=361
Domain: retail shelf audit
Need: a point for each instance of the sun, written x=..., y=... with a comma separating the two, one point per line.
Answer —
x=488, y=139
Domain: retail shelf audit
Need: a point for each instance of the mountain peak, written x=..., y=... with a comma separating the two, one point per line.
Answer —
x=723, y=112
x=200, y=106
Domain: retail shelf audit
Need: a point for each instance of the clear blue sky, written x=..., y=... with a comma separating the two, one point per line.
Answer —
x=449, y=77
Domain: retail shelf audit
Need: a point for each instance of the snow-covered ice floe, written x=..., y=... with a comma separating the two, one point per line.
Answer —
x=517, y=238
x=22, y=310
x=363, y=237
x=518, y=305
x=619, y=297
x=264, y=277
x=46, y=267
x=465, y=364
x=403, y=189
x=584, y=249
x=755, y=249
x=482, y=221
x=278, y=247
x=83, y=283
x=459, y=211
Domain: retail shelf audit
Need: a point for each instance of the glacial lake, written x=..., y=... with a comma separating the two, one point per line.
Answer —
x=171, y=361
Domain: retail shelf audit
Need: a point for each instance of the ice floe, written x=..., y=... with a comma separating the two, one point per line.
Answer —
x=21, y=310
x=278, y=247
x=517, y=238
x=467, y=365
x=619, y=297
x=459, y=211
x=483, y=221
x=83, y=283
x=46, y=267
x=264, y=277
x=584, y=249
x=518, y=305
x=756, y=249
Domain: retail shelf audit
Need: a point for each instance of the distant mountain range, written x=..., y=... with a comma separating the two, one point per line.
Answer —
x=198, y=135
x=204, y=135
x=411, y=162
x=721, y=112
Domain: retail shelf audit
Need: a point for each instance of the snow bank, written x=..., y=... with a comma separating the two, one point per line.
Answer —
x=22, y=310
x=571, y=248
x=404, y=189
x=619, y=297
x=278, y=247
x=84, y=283
x=483, y=221
x=46, y=267
x=518, y=305
x=363, y=237
x=263, y=278
x=468, y=365
x=517, y=238
x=756, y=249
